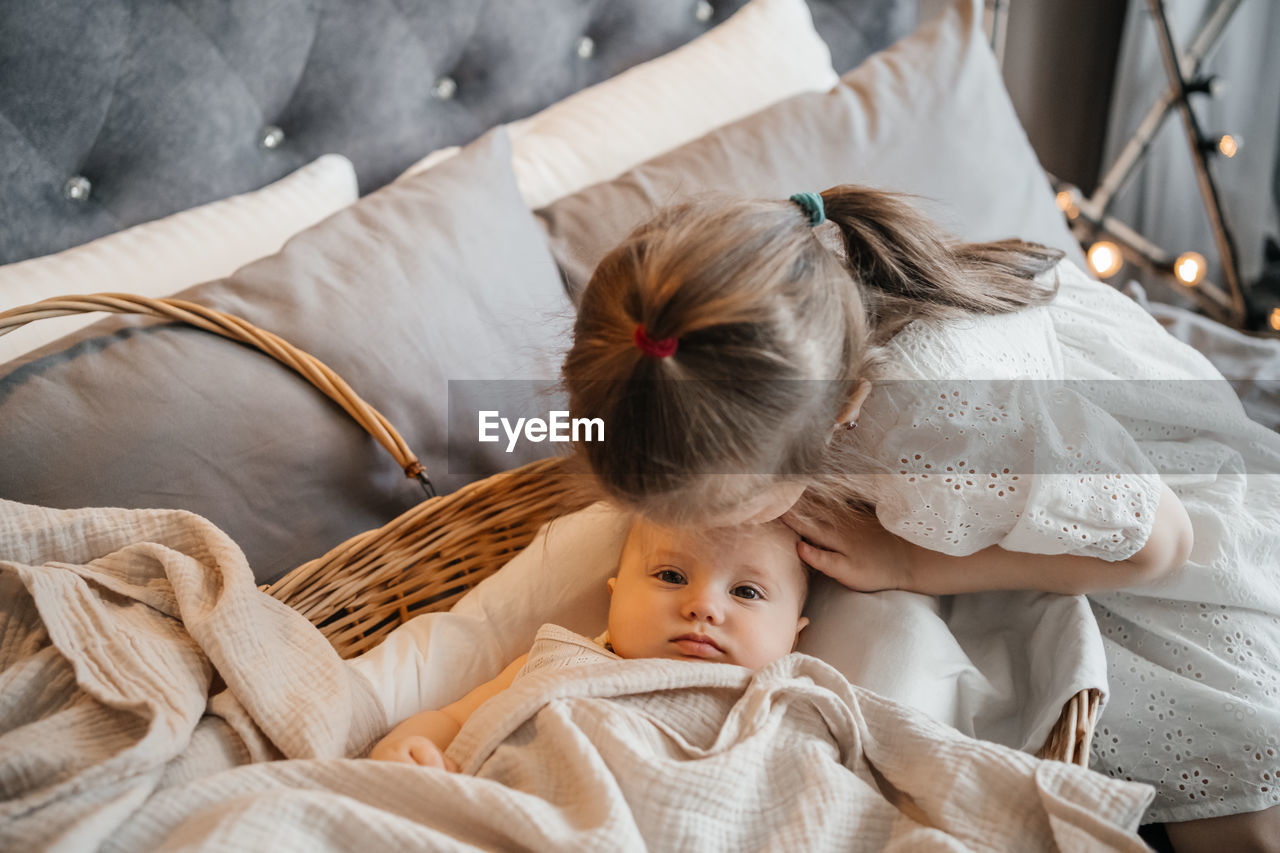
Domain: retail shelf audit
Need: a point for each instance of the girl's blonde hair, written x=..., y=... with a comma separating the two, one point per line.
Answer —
x=773, y=332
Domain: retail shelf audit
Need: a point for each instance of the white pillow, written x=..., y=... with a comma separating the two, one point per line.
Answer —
x=767, y=51
x=167, y=255
x=433, y=659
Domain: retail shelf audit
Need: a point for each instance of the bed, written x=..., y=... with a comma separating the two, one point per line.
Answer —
x=414, y=193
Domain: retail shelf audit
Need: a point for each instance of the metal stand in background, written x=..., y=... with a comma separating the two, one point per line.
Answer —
x=1225, y=303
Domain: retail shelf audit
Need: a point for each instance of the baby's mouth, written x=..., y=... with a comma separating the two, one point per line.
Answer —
x=698, y=646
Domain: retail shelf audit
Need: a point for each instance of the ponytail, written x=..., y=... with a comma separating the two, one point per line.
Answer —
x=910, y=270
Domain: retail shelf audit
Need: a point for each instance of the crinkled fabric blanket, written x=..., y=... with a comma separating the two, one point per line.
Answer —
x=118, y=625
x=116, y=629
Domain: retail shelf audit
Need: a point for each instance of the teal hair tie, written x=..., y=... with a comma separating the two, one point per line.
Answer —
x=811, y=203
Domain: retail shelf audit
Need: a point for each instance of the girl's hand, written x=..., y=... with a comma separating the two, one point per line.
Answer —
x=412, y=749
x=858, y=552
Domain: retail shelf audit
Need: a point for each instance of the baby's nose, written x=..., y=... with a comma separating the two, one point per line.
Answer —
x=702, y=605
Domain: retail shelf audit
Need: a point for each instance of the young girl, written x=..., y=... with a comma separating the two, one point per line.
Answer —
x=986, y=401
x=730, y=595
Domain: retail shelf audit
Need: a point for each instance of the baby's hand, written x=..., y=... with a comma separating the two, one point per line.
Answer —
x=858, y=553
x=412, y=749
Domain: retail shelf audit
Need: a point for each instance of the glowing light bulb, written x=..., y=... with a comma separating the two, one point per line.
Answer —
x=1275, y=319
x=1068, y=201
x=1228, y=145
x=1189, y=268
x=1105, y=258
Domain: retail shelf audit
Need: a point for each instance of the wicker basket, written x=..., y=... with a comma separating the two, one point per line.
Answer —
x=429, y=556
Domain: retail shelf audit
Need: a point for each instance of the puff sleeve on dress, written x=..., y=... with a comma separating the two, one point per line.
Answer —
x=985, y=444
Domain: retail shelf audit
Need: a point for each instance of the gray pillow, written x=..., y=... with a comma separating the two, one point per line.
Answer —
x=928, y=116
x=441, y=278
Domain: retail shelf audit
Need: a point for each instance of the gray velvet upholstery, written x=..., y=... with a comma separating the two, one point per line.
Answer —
x=163, y=104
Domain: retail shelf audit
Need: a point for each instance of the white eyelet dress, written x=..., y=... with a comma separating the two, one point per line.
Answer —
x=1048, y=431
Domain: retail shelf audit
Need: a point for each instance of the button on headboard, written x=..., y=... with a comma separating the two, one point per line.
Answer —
x=117, y=112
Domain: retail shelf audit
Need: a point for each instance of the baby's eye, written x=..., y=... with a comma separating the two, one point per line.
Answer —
x=748, y=592
x=670, y=576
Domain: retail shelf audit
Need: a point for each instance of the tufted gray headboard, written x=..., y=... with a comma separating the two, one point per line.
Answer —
x=116, y=112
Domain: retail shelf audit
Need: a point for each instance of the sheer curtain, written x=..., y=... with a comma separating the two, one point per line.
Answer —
x=1161, y=199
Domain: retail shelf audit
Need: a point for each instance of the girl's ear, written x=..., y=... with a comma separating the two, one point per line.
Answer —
x=610, y=582
x=851, y=411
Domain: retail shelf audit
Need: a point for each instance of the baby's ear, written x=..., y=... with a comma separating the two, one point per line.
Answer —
x=801, y=624
x=611, y=582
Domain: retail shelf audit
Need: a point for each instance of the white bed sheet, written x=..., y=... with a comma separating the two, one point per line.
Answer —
x=1251, y=363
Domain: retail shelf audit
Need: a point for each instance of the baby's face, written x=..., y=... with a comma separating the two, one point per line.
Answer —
x=729, y=595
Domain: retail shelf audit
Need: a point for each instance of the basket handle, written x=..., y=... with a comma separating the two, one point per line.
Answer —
x=229, y=326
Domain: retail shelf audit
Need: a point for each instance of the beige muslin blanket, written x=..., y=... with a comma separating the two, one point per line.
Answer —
x=117, y=625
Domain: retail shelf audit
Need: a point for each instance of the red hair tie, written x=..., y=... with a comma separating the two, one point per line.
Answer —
x=660, y=348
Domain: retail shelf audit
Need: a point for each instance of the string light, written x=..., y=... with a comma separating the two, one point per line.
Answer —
x=1275, y=319
x=1068, y=199
x=1105, y=258
x=1228, y=145
x=1189, y=268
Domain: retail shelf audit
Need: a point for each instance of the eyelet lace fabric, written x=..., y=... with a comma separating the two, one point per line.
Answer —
x=555, y=647
x=1049, y=431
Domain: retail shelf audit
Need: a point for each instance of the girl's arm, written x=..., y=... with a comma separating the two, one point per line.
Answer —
x=868, y=558
x=424, y=737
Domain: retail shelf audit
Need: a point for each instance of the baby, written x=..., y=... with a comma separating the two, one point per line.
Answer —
x=728, y=595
